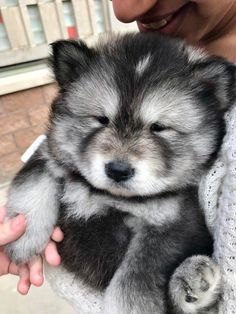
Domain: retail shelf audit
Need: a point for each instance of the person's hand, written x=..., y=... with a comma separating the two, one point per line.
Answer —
x=31, y=273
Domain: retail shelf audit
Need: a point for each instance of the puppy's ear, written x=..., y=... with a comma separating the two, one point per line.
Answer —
x=69, y=59
x=218, y=80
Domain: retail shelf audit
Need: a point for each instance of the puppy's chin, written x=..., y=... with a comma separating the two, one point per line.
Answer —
x=120, y=190
x=123, y=190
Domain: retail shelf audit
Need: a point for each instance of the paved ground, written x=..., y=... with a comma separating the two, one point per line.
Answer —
x=38, y=301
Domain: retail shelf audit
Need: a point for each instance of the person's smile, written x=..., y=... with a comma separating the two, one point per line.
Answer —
x=166, y=24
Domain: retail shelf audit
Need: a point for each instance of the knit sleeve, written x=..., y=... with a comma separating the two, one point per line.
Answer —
x=218, y=197
x=225, y=225
x=83, y=299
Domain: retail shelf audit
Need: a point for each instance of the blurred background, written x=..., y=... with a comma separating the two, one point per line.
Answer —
x=27, y=89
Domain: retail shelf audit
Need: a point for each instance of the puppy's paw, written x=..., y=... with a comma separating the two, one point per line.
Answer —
x=26, y=247
x=195, y=285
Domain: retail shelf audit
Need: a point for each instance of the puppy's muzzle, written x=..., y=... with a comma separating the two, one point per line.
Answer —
x=119, y=171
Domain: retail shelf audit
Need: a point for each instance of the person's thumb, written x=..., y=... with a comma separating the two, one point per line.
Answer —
x=12, y=229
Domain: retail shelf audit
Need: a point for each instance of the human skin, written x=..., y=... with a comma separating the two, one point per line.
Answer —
x=31, y=273
x=210, y=24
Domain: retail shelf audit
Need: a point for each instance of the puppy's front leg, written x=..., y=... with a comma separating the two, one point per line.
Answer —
x=33, y=193
x=138, y=286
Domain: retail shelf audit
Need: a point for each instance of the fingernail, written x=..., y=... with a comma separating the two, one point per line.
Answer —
x=17, y=222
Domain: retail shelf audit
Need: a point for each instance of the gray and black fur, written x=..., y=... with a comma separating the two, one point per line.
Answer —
x=137, y=122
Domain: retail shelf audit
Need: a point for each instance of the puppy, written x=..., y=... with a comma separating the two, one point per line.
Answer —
x=137, y=122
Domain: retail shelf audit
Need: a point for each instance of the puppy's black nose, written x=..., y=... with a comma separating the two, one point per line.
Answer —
x=119, y=171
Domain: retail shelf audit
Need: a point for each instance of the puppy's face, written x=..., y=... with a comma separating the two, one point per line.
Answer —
x=139, y=115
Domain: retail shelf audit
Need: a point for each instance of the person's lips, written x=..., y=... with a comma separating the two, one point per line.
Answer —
x=158, y=24
x=167, y=24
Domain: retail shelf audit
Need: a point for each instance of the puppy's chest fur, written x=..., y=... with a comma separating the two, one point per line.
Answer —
x=99, y=228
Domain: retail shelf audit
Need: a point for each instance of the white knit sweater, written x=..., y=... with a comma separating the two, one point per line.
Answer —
x=218, y=197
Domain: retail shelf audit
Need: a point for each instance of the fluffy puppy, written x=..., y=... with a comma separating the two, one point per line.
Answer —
x=138, y=120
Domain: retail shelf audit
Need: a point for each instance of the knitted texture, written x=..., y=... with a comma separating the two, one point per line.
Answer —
x=83, y=299
x=225, y=223
x=218, y=198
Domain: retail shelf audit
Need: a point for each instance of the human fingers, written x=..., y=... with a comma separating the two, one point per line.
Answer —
x=4, y=263
x=12, y=229
x=6, y=266
x=13, y=269
x=36, y=271
x=3, y=211
x=51, y=254
x=57, y=235
x=24, y=284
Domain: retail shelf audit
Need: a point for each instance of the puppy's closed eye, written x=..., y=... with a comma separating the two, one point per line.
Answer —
x=158, y=127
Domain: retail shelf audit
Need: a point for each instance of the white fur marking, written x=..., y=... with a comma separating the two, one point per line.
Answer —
x=143, y=64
